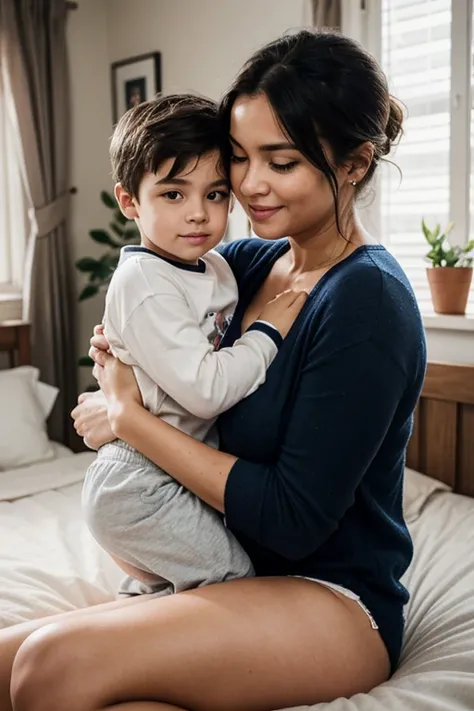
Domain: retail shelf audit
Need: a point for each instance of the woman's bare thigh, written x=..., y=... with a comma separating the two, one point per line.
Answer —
x=246, y=645
x=12, y=637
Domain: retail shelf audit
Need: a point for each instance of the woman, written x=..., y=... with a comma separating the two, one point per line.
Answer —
x=310, y=473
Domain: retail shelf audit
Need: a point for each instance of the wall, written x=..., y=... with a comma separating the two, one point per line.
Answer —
x=92, y=127
x=450, y=345
x=203, y=43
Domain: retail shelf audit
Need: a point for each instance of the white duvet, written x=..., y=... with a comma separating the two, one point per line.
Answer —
x=49, y=563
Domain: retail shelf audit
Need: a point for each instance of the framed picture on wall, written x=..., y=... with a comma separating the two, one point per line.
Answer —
x=134, y=80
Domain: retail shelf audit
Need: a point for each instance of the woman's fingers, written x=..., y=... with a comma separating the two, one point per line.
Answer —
x=99, y=329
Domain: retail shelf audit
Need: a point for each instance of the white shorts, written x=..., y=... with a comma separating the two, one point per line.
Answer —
x=346, y=592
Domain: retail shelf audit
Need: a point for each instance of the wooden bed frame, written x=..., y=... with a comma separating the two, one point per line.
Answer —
x=442, y=444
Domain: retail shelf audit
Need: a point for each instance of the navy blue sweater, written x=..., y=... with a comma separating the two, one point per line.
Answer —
x=317, y=487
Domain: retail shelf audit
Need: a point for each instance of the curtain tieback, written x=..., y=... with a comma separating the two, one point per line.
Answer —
x=45, y=219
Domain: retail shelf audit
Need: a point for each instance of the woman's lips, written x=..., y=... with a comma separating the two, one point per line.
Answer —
x=260, y=212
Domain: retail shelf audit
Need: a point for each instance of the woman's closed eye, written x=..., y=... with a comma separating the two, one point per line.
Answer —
x=278, y=167
x=283, y=167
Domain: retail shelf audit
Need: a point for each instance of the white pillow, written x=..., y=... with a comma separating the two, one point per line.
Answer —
x=418, y=488
x=45, y=393
x=23, y=436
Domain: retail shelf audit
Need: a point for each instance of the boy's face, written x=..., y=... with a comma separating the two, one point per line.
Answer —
x=184, y=217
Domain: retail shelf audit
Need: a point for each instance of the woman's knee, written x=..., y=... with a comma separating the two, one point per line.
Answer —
x=45, y=671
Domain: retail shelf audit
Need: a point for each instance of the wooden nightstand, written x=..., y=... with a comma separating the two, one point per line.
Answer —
x=15, y=341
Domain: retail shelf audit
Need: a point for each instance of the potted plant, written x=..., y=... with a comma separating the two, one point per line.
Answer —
x=99, y=271
x=450, y=275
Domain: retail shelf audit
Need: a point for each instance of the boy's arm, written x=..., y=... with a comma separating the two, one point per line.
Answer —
x=167, y=343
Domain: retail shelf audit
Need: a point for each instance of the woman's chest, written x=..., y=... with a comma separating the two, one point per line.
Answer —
x=277, y=281
x=255, y=428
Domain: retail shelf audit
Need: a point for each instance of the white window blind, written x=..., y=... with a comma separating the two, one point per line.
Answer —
x=416, y=56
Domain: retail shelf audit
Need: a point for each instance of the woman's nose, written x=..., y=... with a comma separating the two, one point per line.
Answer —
x=253, y=183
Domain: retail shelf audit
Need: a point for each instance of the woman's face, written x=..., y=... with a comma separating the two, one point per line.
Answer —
x=283, y=194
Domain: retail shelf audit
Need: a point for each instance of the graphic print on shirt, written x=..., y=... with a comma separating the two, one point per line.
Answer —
x=215, y=325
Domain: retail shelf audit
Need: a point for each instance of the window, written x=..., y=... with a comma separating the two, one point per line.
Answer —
x=13, y=202
x=425, y=49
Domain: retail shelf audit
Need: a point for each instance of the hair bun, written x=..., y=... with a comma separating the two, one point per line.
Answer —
x=394, y=127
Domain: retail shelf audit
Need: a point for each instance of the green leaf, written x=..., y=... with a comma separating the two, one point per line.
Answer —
x=451, y=256
x=102, y=237
x=112, y=261
x=118, y=229
x=427, y=232
x=469, y=247
x=107, y=266
x=108, y=200
x=449, y=228
x=86, y=264
x=88, y=291
x=86, y=361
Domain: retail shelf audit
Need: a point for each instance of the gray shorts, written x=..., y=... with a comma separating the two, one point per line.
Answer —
x=145, y=518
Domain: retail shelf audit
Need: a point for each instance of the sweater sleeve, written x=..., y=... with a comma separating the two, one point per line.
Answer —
x=167, y=343
x=343, y=408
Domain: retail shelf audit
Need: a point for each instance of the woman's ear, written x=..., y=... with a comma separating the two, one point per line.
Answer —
x=359, y=162
x=126, y=202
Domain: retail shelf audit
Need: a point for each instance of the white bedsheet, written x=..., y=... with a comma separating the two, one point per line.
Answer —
x=50, y=563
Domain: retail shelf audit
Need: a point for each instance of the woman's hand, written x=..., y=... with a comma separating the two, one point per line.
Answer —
x=116, y=379
x=91, y=420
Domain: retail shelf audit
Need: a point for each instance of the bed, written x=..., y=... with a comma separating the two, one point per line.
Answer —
x=49, y=562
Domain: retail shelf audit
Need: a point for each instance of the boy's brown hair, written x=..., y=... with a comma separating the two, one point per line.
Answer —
x=179, y=126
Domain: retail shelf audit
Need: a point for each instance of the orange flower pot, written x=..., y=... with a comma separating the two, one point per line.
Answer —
x=449, y=288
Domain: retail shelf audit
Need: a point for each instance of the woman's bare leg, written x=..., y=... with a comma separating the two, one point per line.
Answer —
x=144, y=706
x=247, y=645
x=11, y=638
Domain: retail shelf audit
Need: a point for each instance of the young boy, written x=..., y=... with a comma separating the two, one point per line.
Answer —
x=167, y=307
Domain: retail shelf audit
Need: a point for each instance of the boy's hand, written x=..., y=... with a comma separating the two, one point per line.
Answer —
x=282, y=311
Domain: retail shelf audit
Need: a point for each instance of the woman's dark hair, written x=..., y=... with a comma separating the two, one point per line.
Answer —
x=322, y=85
x=179, y=126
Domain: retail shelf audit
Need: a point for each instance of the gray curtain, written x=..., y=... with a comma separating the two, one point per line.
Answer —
x=34, y=54
x=326, y=13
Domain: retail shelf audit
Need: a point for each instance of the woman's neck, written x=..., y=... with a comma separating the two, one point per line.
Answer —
x=327, y=245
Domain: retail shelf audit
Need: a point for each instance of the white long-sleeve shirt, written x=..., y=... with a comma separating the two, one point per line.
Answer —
x=165, y=319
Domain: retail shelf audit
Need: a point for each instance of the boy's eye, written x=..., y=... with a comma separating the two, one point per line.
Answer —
x=172, y=195
x=218, y=196
x=237, y=159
